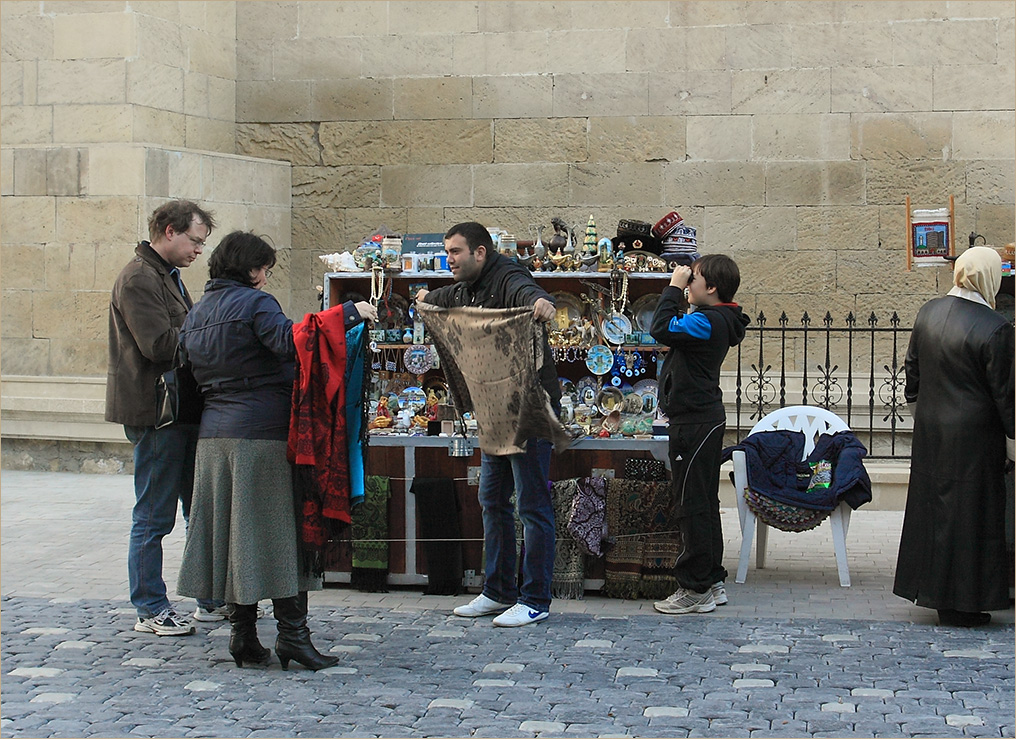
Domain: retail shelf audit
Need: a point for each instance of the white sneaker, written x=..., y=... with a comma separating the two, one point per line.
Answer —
x=166, y=623
x=481, y=605
x=520, y=615
x=215, y=614
x=687, y=601
x=719, y=593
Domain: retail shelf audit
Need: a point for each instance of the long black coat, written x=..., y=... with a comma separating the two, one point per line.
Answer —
x=959, y=372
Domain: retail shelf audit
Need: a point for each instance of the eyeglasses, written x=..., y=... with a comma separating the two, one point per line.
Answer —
x=196, y=241
x=268, y=273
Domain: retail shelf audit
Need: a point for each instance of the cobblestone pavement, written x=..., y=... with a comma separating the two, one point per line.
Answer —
x=78, y=669
x=775, y=662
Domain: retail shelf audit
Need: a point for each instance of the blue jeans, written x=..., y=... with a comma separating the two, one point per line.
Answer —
x=163, y=479
x=527, y=474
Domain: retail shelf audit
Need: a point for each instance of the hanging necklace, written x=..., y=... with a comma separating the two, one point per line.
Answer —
x=377, y=285
x=618, y=298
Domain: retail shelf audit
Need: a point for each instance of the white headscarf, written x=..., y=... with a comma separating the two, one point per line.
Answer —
x=979, y=270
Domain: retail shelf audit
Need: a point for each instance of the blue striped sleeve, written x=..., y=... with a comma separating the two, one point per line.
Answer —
x=694, y=324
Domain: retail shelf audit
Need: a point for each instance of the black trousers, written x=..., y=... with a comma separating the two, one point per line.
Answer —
x=695, y=451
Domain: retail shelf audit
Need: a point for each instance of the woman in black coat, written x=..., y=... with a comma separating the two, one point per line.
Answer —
x=960, y=389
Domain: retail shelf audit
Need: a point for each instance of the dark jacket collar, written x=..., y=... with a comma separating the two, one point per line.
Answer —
x=145, y=251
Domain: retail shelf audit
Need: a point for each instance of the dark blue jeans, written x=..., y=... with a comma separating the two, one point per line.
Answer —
x=528, y=475
x=163, y=479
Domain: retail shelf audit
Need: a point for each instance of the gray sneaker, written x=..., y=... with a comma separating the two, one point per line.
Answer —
x=719, y=593
x=167, y=623
x=687, y=601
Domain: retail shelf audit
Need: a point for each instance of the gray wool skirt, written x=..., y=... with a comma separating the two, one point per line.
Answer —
x=241, y=542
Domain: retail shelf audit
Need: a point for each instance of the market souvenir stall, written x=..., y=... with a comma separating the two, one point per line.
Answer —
x=605, y=292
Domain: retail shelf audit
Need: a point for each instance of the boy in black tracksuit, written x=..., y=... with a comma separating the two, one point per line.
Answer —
x=690, y=395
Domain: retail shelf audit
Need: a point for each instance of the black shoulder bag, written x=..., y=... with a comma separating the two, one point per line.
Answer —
x=178, y=398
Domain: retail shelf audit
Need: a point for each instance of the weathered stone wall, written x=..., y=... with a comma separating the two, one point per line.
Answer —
x=105, y=71
x=788, y=133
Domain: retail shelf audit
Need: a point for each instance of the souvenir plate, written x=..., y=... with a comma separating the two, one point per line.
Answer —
x=418, y=359
x=616, y=327
x=609, y=399
x=632, y=403
x=599, y=360
x=586, y=389
x=412, y=398
x=643, y=310
x=569, y=310
x=567, y=387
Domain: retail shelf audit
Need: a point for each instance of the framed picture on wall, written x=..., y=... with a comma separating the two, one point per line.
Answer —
x=929, y=236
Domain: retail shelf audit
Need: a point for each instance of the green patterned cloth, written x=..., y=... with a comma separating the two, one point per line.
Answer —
x=370, y=537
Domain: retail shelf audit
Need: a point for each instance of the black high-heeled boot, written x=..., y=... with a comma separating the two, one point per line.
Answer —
x=294, y=636
x=243, y=636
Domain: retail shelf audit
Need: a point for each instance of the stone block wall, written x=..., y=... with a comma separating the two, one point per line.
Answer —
x=71, y=218
x=788, y=133
x=97, y=72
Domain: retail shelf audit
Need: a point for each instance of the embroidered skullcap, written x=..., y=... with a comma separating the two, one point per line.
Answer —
x=979, y=268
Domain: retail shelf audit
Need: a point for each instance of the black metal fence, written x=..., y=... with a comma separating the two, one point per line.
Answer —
x=853, y=368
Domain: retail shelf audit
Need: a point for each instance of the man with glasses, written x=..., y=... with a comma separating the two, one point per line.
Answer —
x=148, y=305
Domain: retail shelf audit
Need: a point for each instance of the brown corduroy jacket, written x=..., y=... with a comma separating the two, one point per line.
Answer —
x=146, y=311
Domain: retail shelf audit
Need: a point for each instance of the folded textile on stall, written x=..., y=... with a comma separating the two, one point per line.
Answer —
x=370, y=537
x=587, y=518
x=438, y=511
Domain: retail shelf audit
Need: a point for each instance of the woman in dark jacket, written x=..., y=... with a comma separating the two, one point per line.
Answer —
x=242, y=540
x=960, y=388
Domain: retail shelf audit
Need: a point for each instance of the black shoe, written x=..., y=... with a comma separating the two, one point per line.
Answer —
x=243, y=636
x=294, y=636
x=949, y=617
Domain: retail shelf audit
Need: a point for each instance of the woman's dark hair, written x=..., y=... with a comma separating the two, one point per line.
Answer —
x=238, y=254
x=721, y=272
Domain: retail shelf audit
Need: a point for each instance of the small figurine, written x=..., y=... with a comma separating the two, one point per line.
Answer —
x=430, y=410
x=589, y=245
x=382, y=416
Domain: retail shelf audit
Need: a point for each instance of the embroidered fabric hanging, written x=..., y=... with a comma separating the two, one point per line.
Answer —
x=491, y=360
x=569, y=562
x=369, y=532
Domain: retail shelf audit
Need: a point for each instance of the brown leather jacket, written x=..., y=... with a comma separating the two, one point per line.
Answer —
x=146, y=311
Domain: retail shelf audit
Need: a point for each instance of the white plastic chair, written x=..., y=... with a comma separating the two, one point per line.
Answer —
x=813, y=422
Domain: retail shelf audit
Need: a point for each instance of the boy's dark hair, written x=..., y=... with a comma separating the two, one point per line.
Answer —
x=178, y=214
x=238, y=254
x=475, y=234
x=721, y=272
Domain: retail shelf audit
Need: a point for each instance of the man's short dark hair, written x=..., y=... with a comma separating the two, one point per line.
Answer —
x=178, y=214
x=238, y=254
x=721, y=272
x=475, y=234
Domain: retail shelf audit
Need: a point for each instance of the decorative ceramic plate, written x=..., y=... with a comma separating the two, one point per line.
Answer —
x=569, y=310
x=413, y=398
x=599, y=359
x=418, y=359
x=643, y=310
x=567, y=387
x=586, y=389
x=632, y=403
x=616, y=327
x=644, y=386
x=609, y=399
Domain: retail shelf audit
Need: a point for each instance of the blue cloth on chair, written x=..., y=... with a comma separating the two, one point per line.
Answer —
x=775, y=469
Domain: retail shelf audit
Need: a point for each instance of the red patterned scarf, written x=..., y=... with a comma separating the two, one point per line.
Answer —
x=317, y=426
